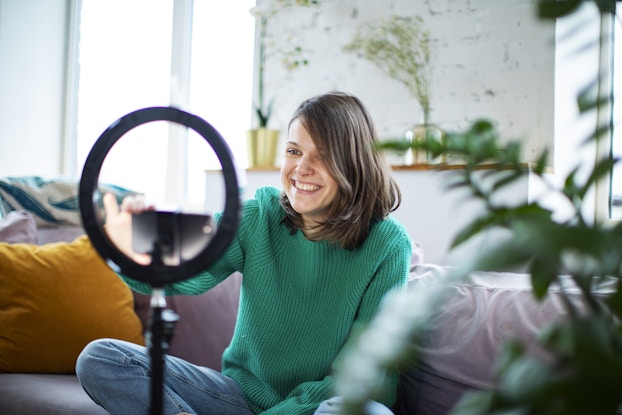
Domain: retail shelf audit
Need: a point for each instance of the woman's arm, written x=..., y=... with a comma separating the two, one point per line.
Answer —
x=119, y=229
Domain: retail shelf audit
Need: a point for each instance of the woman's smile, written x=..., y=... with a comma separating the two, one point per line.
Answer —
x=305, y=187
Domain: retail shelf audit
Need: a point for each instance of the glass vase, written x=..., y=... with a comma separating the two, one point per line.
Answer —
x=429, y=136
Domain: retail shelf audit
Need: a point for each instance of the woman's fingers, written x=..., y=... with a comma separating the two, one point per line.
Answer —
x=111, y=207
x=133, y=204
x=119, y=224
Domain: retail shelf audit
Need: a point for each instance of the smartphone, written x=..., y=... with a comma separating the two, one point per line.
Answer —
x=171, y=238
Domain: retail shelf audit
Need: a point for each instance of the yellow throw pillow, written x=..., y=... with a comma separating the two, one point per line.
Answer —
x=56, y=298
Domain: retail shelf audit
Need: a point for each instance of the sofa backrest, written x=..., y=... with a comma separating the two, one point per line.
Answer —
x=468, y=330
x=206, y=321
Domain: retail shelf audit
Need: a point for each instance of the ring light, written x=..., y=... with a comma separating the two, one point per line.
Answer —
x=158, y=273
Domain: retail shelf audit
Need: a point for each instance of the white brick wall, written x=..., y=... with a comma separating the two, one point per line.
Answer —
x=491, y=58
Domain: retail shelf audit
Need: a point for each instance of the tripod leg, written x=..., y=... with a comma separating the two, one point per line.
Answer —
x=162, y=322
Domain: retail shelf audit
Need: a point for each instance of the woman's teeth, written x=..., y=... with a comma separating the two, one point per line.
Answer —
x=307, y=187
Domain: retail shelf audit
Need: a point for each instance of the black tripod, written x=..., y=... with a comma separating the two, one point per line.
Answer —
x=161, y=327
x=192, y=237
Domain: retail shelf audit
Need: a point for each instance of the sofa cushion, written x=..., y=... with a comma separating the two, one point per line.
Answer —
x=51, y=234
x=54, y=300
x=18, y=227
x=45, y=394
x=469, y=328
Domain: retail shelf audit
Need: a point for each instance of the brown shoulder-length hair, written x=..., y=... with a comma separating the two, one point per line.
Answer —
x=345, y=136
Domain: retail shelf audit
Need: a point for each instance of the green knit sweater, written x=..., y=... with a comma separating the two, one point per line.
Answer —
x=299, y=304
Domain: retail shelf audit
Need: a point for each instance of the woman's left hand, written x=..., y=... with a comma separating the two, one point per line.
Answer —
x=119, y=224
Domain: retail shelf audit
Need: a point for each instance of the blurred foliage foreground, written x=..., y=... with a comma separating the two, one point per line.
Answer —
x=584, y=375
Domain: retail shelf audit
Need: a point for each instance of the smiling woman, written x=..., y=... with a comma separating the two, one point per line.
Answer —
x=178, y=56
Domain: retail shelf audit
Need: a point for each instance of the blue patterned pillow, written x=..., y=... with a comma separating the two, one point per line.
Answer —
x=52, y=202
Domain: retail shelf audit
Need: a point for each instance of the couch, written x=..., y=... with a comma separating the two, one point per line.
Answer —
x=203, y=331
x=459, y=348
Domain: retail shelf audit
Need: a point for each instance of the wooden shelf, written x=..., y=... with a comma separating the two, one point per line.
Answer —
x=411, y=167
x=450, y=166
x=417, y=167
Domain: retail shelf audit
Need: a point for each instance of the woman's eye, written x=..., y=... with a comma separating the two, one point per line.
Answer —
x=292, y=151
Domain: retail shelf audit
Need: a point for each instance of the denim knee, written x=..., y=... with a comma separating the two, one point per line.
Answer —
x=85, y=362
x=97, y=359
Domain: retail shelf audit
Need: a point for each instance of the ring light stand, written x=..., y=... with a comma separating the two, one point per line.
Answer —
x=188, y=239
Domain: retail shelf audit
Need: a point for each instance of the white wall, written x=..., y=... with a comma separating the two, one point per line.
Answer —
x=490, y=58
x=32, y=84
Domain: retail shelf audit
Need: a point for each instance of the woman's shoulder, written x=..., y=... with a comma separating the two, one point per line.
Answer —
x=265, y=199
x=390, y=225
x=389, y=231
x=264, y=203
x=267, y=194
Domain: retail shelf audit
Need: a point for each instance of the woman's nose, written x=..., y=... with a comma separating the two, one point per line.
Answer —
x=304, y=167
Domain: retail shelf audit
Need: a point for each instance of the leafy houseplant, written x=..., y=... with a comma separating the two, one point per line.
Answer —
x=585, y=374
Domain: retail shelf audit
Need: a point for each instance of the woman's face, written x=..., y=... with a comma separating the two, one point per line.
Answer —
x=306, y=182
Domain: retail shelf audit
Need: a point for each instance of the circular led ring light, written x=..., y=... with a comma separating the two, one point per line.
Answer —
x=157, y=275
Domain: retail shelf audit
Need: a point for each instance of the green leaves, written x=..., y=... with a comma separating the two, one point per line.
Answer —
x=503, y=217
x=554, y=8
x=263, y=115
x=586, y=373
x=583, y=371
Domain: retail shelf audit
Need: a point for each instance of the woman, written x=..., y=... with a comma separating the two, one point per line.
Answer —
x=317, y=259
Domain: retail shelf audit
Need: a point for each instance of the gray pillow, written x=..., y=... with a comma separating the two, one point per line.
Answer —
x=18, y=227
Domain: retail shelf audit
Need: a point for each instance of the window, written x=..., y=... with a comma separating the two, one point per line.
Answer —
x=197, y=55
x=616, y=146
x=578, y=58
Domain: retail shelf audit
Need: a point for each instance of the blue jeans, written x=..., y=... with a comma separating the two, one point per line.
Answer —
x=116, y=375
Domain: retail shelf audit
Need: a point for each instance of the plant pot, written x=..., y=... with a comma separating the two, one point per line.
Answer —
x=262, y=144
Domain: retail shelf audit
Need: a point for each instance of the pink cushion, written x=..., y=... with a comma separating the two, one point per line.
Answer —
x=63, y=233
x=18, y=227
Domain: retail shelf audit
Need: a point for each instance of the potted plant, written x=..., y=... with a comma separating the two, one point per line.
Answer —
x=262, y=141
x=585, y=374
x=400, y=47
